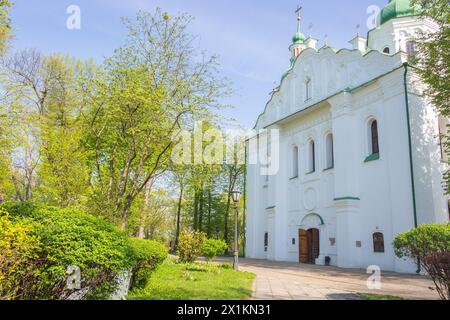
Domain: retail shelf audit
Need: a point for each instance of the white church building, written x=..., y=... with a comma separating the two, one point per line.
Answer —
x=360, y=158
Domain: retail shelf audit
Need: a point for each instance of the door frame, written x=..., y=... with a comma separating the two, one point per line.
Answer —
x=308, y=242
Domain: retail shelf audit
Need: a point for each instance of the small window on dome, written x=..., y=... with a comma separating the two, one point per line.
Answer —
x=386, y=50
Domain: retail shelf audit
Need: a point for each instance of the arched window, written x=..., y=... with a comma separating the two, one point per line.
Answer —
x=374, y=146
x=295, y=162
x=329, y=151
x=308, y=89
x=386, y=50
x=378, y=242
x=311, y=156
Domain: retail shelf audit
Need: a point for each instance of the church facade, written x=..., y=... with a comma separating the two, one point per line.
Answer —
x=360, y=158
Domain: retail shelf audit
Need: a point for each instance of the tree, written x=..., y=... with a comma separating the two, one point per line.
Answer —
x=5, y=26
x=212, y=248
x=5, y=143
x=49, y=163
x=430, y=244
x=433, y=62
x=190, y=246
x=63, y=171
x=148, y=90
x=234, y=172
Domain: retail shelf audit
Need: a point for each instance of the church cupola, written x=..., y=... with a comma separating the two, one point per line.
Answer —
x=298, y=41
x=399, y=24
x=398, y=9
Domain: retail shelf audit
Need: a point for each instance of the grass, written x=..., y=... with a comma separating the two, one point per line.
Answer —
x=371, y=296
x=195, y=281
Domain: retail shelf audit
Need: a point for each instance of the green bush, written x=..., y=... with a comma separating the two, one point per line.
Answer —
x=70, y=237
x=190, y=245
x=19, y=251
x=430, y=244
x=147, y=256
x=211, y=248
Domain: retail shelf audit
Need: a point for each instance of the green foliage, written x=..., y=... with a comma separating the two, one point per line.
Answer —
x=149, y=89
x=63, y=171
x=372, y=296
x=226, y=266
x=430, y=244
x=5, y=26
x=19, y=251
x=70, y=237
x=190, y=245
x=433, y=65
x=422, y=241
x=147, y=255
x=211, y=248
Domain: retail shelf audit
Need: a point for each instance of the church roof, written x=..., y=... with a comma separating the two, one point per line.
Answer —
x=397, y=9
x=387, y=65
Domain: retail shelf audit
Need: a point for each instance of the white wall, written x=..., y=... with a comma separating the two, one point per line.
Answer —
x=356, y=198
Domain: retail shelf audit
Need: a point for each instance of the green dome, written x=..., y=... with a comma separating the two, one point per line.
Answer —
x=398, y=9
x=298, y=38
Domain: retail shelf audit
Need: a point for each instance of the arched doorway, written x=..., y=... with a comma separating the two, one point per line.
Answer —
x=309, y=245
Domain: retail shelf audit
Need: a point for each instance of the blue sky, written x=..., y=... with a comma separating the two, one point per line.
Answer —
x=251, y=37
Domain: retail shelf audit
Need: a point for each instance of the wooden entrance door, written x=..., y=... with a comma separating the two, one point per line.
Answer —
x=314, y=240
x=309, y=245
x=303, y=246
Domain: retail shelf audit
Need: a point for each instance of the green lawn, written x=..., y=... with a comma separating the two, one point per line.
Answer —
x=197, y=281
x=371, y=296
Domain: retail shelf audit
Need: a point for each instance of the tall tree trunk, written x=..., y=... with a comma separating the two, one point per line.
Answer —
x=227, y=211
x=200, y=213
x=148, y=192
x=209, y=212
x=180, y=201
x=126, y=213
x=195, y=222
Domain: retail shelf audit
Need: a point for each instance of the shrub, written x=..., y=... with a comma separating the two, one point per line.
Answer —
x=147, y=256
x=19, y=251
x=70, y=237
x=430, y=244
x=190, y=245
x=226, y=266
x=212, y=248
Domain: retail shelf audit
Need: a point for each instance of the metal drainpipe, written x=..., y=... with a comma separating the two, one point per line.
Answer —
x=411, y=162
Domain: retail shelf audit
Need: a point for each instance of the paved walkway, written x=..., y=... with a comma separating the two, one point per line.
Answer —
x=293, y=281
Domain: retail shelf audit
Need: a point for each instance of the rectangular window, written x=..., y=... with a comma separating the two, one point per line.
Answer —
x=295, y=162
x=266, y=241
x=378, y=242
x=308, y=90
